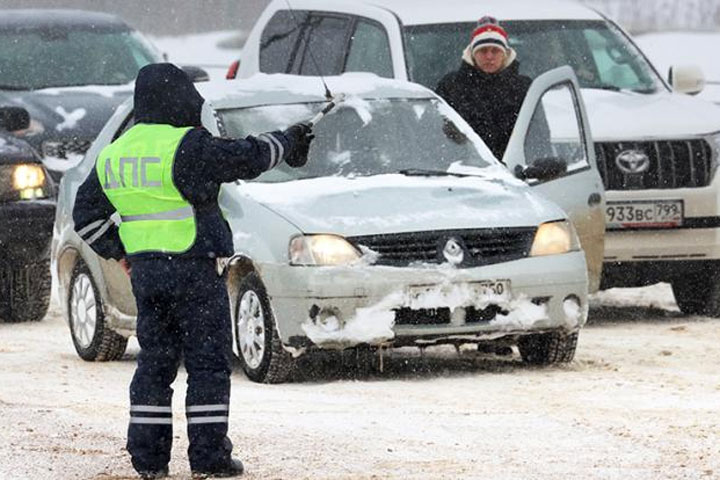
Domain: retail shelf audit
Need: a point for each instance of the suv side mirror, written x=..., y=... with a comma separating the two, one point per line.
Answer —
x=14, y=118
x=543, y=169
x=196, y=74
x=686, y=79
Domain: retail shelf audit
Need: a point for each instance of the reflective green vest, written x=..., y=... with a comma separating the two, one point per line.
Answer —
x=136, y=174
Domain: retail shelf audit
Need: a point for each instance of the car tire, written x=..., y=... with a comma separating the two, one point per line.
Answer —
x=698, y=295
x=262, y=356
x=93, y=341
x=25, y=292
x=548, y=348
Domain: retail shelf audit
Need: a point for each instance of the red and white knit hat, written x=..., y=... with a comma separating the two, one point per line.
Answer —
x=488, y=33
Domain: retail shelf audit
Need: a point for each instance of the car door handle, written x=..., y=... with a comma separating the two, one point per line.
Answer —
x=594, y=199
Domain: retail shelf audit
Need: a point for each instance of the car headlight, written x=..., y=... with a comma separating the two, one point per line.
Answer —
x=554, y=238
x=322, y=250
x=24, y=181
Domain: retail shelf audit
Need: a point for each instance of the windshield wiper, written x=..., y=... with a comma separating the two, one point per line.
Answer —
x=421, y=172
x=13, y=87
x=607, y=86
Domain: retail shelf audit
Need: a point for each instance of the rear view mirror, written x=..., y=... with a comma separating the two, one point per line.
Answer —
x=14, y=118
x=686, y=79
x=543, y=169
x=196, y=74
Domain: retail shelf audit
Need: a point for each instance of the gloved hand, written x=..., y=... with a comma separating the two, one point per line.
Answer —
x=300, y=136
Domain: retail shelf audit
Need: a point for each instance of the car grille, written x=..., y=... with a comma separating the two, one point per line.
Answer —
x=480, y=246
x=673, y=164
x=65, y=148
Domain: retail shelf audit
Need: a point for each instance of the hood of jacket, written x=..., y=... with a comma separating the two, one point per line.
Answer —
x=165, y=94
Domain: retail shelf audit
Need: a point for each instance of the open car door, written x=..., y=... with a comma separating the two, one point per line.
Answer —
x=552, y=150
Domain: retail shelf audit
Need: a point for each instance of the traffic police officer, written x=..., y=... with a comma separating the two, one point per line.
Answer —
x=162, y=176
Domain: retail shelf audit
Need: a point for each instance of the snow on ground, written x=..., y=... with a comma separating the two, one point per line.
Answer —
x=685, y=48
x=640, y=401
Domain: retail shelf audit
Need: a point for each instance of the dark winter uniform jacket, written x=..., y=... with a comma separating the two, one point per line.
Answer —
x=202, y=163
x=490, y=103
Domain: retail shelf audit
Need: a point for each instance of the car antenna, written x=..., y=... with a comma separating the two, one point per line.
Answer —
x=328, y=95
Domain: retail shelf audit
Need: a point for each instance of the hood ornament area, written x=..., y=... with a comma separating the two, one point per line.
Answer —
x=632, y=161
x=453, y=251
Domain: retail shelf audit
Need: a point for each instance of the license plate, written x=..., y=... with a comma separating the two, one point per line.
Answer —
x=644, y=214
x=457, y=294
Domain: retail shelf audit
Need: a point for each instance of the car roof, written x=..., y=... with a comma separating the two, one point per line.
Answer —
x=423, y=12
x=53, y=19
x=263, y=89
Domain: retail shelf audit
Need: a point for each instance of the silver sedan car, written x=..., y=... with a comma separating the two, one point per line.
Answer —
x=401, y=230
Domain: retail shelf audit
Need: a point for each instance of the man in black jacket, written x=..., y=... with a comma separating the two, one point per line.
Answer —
x=173, y=235
x=487, y=90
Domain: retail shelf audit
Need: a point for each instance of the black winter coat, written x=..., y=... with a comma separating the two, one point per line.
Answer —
x=202, y=163
x=490, y=103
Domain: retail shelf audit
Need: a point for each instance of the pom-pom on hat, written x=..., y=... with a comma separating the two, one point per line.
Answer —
x=488, y=33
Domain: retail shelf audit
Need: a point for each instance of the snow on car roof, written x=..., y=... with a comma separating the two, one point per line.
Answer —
x=418, y=12
x=263, y=89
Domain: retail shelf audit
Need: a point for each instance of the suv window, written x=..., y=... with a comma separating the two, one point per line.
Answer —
x=278, y=42
x=369, y=50
x=325, y=49
x=601, y=55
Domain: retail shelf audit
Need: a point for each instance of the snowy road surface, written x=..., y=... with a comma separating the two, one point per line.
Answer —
x=640, y=401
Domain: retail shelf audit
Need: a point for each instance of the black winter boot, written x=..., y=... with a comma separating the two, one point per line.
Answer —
x=234, y=468
x=163, y=473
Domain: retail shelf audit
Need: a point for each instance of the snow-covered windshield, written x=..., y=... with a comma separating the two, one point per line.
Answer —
x=369, y=137
x=31, y=59
x=600, y=53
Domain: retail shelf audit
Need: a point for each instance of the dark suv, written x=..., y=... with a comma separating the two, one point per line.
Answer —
x=27, y=211
x=70, y=69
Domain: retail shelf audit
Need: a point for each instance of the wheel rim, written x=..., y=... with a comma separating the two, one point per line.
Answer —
x=83, y=311
x=251, y=329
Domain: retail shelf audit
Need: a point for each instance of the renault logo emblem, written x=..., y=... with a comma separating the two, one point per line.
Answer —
x=453, y=252
x=633, y=161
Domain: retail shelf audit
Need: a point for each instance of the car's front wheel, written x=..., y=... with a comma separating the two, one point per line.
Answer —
x=262, y=356
x=92, y=339
x=698, y=294
x=25, y=292
x=548, y=348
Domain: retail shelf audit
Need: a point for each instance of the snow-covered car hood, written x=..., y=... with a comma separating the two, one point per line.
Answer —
x=396, y=203
x=663, y=115
x=69, y=112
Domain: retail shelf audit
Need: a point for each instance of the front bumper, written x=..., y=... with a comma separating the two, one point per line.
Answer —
x=635, y=257
x=26, y=231
x=356, y=299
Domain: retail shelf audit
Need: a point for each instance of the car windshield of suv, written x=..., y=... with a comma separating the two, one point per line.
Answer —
x=600, y=54
x=32, y=59
x=370, y=137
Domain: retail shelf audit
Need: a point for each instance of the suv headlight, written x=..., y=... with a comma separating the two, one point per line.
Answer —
x=554, y=238
x=322, y=250
x=23, y=181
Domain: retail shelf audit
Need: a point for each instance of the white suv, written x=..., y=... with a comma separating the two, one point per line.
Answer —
x=656, y=147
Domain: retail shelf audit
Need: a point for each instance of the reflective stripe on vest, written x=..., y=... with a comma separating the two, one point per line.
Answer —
x=136, y=174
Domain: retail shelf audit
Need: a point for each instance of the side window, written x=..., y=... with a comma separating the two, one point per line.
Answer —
x=556, y=130
x=325, y=46
x=613, y=61
x=369, y=50
x=278, y=42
